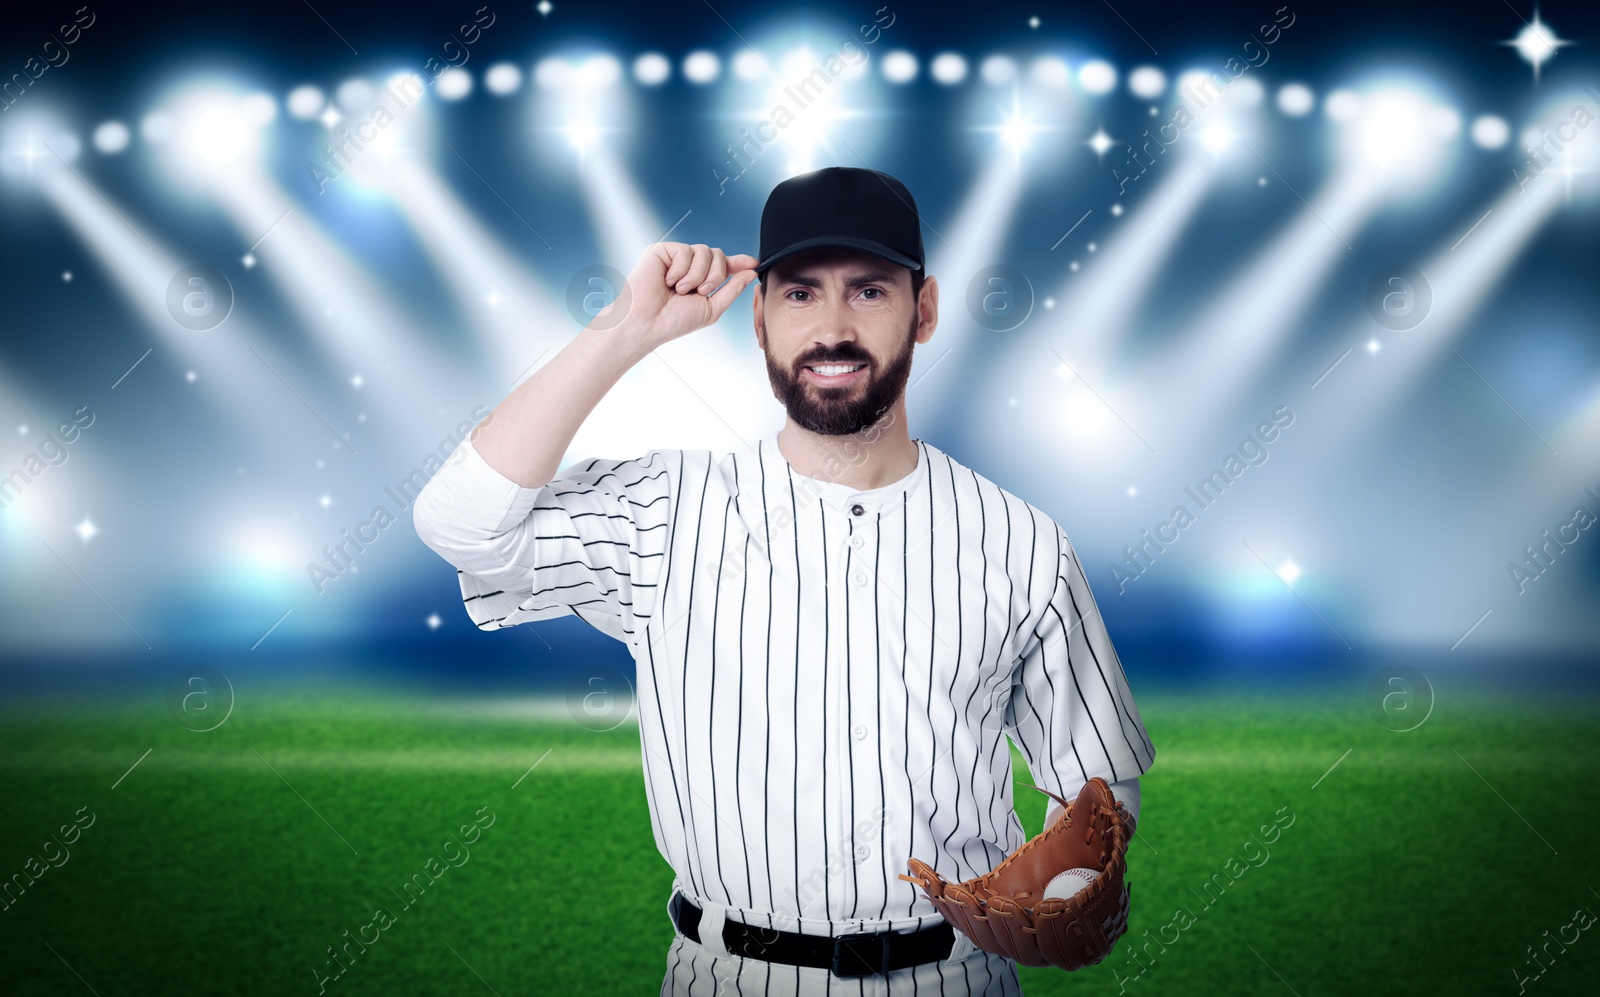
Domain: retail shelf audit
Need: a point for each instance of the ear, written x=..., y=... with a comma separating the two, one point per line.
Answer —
x=928, y=309
x=757, y=318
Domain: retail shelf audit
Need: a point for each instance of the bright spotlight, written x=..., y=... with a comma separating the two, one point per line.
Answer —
x=798, y=63
x=215, y=130
x=22, y=155
x=1097, y=76
x=552, y=73
x=1147, y=82
x=453, y=84
x=652, y=69
x=1197, y=86
x=1536, y=43
x=751, y=66
x=1100, y=142
x=599, y=71
x=701, y=67
x=900, y=66
x=1246, y=91
x=305, y=102
x=356, y=95
x=1016, y=133
x=1216, y=137
x=1398, y=134
x=111, y=137
x=34, y=144
x=1342, y=106
x=1490, y=132
x=997, y=70
x=948, y=68
x=582, y=135
x=1295, y=100
x=503, y=78
x=1049, y=71
x=1393, y=127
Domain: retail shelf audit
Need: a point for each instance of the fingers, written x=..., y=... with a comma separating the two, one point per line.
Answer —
x=698, y=268
x=731, y=290
x=690, y=264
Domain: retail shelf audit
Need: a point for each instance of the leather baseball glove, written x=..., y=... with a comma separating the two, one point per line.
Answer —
x=1005, y=911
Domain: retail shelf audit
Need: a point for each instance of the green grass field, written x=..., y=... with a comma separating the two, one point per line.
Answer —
x=1404, y=871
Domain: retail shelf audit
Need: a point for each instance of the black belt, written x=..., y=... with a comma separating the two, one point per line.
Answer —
x=863, y=954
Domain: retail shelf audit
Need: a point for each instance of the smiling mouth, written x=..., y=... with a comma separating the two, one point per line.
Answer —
x=834, y=373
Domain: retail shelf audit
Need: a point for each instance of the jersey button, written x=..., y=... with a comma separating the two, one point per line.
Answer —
x=858, y=542
x=861, y=579
x=857, y=510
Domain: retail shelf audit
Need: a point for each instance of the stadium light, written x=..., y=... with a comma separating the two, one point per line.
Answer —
x=598, y=72
x=701, y=67
x=1394, y=135
x=1490, y=132
x=1295, y=100
x=305, y=102
x=1050, y=72
x=751, y=66
x=652, y=69
x=899, y=66
x=998, y=70
x=503, y=79
x=948, y=68
x=453, y=84
x=211, y=133
x=1097, y=77
x=1147, y=82
x=111, y=137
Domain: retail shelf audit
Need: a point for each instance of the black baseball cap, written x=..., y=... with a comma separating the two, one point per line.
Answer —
x=841, y=206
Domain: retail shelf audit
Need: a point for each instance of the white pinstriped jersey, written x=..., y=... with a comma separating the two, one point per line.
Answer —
x=825, y=674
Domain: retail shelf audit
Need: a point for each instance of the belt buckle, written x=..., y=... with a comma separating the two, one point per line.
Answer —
x=850, y=960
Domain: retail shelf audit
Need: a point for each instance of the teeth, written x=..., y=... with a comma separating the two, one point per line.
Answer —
x=835, y=369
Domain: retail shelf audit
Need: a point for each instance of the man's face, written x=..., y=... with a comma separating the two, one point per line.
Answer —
x=839, y=329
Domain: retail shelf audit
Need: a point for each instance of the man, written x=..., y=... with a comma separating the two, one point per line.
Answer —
x=832, y=630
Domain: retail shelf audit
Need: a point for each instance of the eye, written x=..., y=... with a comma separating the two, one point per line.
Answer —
x=796, y=291
x=879, y=290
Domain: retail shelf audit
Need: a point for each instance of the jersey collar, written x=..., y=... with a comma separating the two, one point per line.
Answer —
x=884, y=500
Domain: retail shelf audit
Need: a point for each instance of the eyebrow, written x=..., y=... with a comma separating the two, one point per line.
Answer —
x=877, y=277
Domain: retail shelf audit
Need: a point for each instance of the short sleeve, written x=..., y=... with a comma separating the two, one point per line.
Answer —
x=1073, y=710
x=591, y=542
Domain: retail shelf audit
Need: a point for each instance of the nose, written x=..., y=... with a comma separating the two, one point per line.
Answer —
x=836, y=324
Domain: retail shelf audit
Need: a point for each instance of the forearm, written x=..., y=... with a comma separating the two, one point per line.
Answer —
x=527, y=434
x=1126, y=793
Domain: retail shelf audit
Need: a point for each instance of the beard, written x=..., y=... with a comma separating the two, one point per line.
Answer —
x=848, y=409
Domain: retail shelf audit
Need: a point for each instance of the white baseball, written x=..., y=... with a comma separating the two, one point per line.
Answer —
x=1067, y=884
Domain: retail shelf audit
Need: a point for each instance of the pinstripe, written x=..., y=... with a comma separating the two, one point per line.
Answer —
x=696, y=853
x=711, y=707
x=738, y=749
x=850, y=729
x=877, y=684
x=606, y=542
x=794, y=807
x=905, y=645
x=827, y=741
x=766, y=777
x=955, y=673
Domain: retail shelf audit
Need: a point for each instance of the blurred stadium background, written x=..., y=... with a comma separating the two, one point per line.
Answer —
x=1155, y=229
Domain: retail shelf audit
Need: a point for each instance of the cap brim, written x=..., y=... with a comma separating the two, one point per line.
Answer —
x=844, y=242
